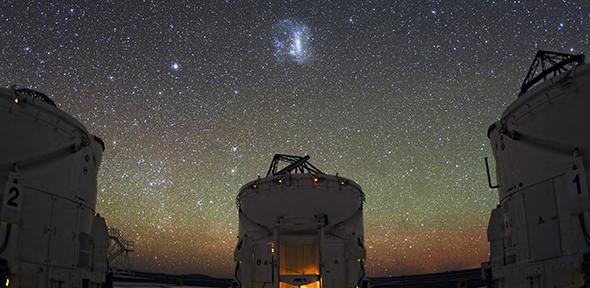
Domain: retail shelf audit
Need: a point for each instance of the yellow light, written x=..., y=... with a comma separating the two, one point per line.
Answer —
x=7, y=282
x=16, y=102
x=315, y=284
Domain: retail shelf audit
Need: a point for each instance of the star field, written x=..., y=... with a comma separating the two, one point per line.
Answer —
x=193, y=98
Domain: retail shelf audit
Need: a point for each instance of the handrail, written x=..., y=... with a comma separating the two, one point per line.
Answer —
x=489, y=177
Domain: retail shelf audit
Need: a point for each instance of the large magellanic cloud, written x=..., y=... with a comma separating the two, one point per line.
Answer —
x=292, y=42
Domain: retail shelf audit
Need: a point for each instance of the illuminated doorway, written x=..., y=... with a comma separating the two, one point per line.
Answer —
x=299, y=261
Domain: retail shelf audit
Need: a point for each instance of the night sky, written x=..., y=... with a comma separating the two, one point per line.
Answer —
x=193, y=98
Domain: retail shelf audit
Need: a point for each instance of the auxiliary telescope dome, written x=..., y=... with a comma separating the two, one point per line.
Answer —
x=300, y=227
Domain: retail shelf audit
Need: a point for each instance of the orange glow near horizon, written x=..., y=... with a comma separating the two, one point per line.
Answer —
x=426, y=249
x=391, y=249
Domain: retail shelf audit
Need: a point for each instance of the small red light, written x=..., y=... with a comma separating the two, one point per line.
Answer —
x=316, y=180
